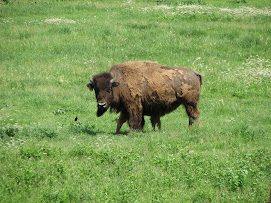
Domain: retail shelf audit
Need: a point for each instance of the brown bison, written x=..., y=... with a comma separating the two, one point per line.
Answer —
x=143, y=88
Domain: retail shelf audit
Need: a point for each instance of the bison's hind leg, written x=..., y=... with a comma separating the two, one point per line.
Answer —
x=193, y=113
x=155, y=119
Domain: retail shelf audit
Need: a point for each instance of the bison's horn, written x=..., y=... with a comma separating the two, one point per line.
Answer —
x=90, y=80
x=114, y=78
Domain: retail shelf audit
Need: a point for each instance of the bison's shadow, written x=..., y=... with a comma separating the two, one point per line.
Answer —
x=78, y=128
x=89, y=131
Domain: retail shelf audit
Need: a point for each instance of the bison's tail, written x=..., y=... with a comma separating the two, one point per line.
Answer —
x=200, y=78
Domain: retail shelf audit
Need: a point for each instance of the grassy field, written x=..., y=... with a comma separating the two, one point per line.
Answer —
x=50, y=48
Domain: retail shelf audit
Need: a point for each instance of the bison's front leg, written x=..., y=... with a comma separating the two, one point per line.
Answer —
x=135, y=118
x=122, y=119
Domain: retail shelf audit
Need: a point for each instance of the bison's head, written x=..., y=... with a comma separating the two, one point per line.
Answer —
x=102, y=85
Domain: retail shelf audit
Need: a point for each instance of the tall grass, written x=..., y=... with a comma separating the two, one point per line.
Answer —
x=50, y=48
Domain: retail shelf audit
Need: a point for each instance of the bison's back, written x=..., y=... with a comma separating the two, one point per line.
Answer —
x=158, y=86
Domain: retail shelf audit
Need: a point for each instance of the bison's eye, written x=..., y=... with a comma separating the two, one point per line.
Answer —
x=108, y=91
x=96, y=91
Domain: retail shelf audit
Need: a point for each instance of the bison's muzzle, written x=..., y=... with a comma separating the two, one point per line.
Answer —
x=102, y=105
x=102, y=108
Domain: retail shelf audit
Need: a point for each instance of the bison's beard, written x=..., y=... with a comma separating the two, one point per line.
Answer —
x=101, y=111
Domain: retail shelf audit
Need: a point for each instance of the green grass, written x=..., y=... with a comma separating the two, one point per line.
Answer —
x=50, y=48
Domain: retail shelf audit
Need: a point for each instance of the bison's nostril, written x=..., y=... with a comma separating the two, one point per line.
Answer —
x=102, y=105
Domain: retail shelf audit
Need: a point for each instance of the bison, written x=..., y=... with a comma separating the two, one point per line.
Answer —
x=147, y=88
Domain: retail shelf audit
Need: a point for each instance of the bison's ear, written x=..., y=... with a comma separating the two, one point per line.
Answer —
x=90, y=86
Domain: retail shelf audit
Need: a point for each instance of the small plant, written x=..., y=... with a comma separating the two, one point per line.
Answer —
x=59, y=112
x=238, y=1
x=38, y=152
x=193, y=2
x=10, y=131
x=167, y=2
x=176, y=2
x=5, y=1
x=30, y=152
x=236, y=178
x=43, y=132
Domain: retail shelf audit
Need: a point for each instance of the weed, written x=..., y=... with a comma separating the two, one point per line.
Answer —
x=193, y=2
x=9, y=131
x=59, y=112
x=42, y=132
x=6, y=1
x=38, y=152
x=237, y=1
x=176, y=2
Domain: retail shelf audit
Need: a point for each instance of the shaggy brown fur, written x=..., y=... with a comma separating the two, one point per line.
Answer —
x=143, y=88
